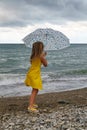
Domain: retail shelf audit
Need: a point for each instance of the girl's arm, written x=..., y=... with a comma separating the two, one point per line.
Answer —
x=43, y=59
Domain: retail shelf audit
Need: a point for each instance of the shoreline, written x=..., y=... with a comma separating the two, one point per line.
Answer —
x=20, y=103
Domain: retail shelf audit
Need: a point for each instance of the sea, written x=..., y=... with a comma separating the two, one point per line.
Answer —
x=66, y=70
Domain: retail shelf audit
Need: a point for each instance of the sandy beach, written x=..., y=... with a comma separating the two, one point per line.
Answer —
x=57, y=111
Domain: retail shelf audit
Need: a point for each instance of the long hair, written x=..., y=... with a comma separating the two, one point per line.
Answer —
x=37, y=49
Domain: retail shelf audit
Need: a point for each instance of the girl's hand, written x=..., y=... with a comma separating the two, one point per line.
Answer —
x=44, y=53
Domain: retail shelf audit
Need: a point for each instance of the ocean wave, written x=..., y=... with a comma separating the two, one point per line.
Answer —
x=17, y=71
x=68, y=73
x=13, y=71
x=3, y=60
x=77, y=72
x=13, y=84
x=10, y=79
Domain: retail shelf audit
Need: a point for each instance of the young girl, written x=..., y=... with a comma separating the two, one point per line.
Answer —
x=33, y=77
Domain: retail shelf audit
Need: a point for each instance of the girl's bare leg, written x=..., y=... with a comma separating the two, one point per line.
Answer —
x=33, y=97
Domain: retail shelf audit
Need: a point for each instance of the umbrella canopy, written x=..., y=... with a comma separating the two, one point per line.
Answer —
x=53, y=40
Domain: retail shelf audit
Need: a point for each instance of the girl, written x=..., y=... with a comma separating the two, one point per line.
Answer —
x=33, y=77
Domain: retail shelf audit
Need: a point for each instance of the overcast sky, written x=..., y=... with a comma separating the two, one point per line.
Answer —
x=20, y=17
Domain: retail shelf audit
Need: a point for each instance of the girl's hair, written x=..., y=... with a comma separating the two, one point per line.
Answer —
x=37, y=49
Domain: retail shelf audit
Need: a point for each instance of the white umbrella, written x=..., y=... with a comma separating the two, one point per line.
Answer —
x=53, y=40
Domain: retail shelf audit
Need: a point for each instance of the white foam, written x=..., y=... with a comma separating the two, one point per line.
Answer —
x=9, y=79
x=12, y=84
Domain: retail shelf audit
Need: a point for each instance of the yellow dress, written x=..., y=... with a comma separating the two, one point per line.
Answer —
x=33, y=77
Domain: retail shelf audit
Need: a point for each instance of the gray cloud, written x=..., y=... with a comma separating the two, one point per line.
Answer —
x=26, y=12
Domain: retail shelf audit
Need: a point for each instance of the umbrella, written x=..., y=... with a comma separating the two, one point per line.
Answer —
x=53, y=40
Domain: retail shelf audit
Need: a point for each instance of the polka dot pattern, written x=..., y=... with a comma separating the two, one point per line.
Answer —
x=53, y=40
